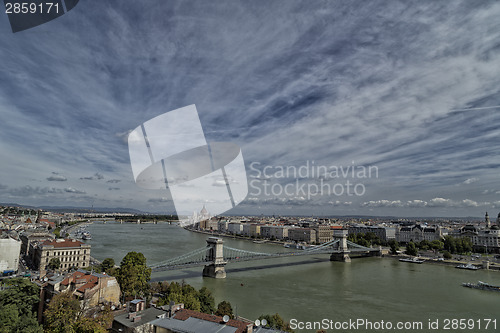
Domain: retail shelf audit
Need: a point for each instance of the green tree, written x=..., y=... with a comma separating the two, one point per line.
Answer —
x=224, y=308
x=134, y=275
x=54, y=264
x=18, y=305
x=411, y=249
x=62, y=313
x=276, y=321
x=207, y=301
x=394, y=246
x=437, y=245
x=107, y=265
x=57, y=232
x=450, y=244
x=65, y=314
x=447, y=255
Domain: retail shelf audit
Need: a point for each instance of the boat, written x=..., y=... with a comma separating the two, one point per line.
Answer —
x=482, y=286
x=414, y=260
x=86, y=235
x=468, y=266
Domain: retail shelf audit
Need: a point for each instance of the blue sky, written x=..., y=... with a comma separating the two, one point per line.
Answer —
x=410, y=87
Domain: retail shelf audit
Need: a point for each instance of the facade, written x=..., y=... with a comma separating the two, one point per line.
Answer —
x=307, y=235
x=324, y=233
x=384, y=233
x=30, y=237
x=70, y=252
x=235, y=228
x=274, y=231
x=417, y=233
x=487, y=239
x=222, y=226
x=92, y=288
x=10, y=249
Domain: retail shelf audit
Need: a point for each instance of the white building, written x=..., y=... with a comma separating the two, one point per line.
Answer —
x=10, y=249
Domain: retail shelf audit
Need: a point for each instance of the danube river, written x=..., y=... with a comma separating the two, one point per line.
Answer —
x=311, y=289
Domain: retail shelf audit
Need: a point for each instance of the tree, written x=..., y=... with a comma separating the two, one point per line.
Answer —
x=447, y=255
x=65, y=314
x=411, y=249
x=437, y=245
x=394, y=246
x=107, y=265
x=62, y=313
x=224, y=308
x=17, y=306
x=134, y=275
x=54, y=263
x=277, y=322
x=207, y=301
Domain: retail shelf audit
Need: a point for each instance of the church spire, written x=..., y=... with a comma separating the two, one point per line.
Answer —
x=487, y=219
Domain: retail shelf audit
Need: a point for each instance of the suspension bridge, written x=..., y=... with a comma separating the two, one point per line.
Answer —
x=215, y=255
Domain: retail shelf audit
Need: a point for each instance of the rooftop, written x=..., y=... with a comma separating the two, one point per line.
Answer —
x=59, y=243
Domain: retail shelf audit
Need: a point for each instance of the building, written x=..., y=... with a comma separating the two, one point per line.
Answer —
x=137, y=319
x=384, y=233
x=34, y=236
x=417, y=233
x=222, y=226
x=193, y=321
x=484, y=240
x=307, y=235
x=251, y=230
x=70, y=252
x=10, y=249
x=235, y=228
x=92, y=288
x=324, y=233
x=274, y=231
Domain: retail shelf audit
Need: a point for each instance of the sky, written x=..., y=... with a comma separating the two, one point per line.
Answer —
x=404, y=93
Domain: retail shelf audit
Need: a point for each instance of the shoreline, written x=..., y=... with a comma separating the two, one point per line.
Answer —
x=492, y=266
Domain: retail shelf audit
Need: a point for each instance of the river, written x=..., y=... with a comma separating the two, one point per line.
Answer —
x=310, y=289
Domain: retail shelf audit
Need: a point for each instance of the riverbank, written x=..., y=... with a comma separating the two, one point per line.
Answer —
x=492, y=265
x=254, y=240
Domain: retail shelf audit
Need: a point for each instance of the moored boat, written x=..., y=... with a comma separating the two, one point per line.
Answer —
x=468, y=266
x=413, y=260
x=482, y=286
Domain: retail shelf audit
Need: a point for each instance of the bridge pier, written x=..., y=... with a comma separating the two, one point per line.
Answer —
x=343, y=254
x=215, y=254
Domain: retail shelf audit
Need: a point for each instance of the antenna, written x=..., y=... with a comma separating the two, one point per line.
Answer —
x=225, y=318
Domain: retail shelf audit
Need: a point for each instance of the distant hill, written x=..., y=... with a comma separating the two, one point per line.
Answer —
x=70, y=209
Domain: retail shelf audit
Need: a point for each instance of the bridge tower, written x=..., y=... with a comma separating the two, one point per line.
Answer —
x=215, y=254
x=343, y=251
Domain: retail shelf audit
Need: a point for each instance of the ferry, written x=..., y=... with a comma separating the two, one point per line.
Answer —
x=468, y=266
x=482, y=286
x=414, y=260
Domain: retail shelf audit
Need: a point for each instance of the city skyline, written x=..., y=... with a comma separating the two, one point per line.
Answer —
x=408, y=89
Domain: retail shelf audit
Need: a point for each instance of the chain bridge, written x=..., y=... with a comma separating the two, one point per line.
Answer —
x=215, y=255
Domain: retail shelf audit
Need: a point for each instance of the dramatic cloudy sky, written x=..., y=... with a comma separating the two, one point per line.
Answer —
x=411, y=88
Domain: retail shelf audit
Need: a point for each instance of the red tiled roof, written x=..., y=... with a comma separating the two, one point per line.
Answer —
x=65, y=243
x=88, y=285
x=185, y=314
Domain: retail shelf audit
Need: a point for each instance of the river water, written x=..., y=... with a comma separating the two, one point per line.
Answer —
x=311, y=289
